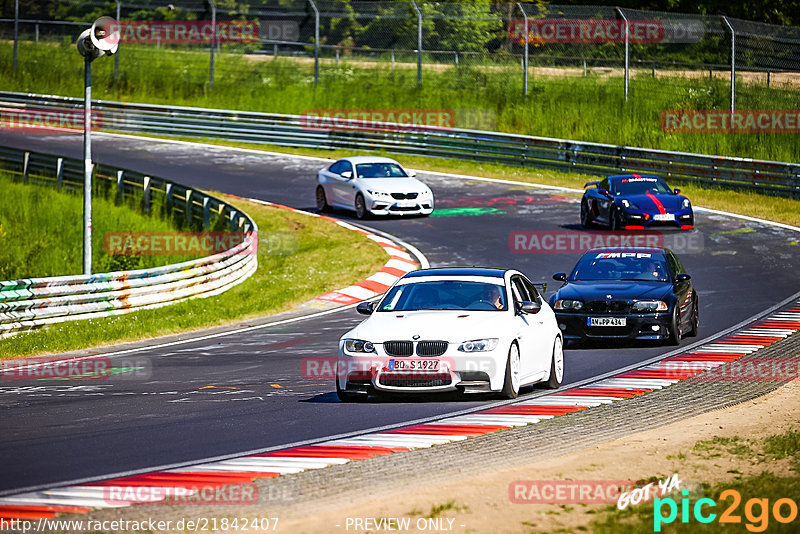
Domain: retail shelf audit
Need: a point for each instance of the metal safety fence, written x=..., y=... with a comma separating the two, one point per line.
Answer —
x=34, y=302
x=527, y=39
x=341, y=133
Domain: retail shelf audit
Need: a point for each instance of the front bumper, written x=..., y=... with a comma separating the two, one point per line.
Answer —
x=456, y=372
x=649, y=326
x=383, y=206
x=641, y=220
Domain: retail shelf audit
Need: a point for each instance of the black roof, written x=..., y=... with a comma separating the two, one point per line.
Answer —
x=458, y=271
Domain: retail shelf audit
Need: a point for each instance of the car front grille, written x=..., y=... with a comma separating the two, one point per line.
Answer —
x=415, y=380
x=431, y=348
x=605, y=306
x=404, y=196
x=398, y=348
x=424, y=348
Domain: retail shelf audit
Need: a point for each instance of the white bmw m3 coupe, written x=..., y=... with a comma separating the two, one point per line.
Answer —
x=372, y=186
x=464, y=329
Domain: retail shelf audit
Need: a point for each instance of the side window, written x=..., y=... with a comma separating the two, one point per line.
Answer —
x=336, y=168
x=604, y=184
x=346, y=166
x=518, y=289
x=673, y=265
x=532, y=291
x=681, y=268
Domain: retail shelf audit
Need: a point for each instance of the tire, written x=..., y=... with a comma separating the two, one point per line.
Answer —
x=586, y=216
x=613, y=220
x=556, y=365
x=695, y=324
x=322, y=201
x=345, y=396
x=361, y=208
x=511, y=382
x=675, y=328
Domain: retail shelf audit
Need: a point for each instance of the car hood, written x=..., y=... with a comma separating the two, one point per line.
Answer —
x=454, y=326
x=649, y=203
x=589, y=290
x=393, y=185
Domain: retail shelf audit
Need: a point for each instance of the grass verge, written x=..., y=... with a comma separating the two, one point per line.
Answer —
x=41, y=232
x=591, y=108
x=299, y=258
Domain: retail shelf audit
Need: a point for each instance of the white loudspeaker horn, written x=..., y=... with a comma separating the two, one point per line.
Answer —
x=105, y=35
x=85, y=46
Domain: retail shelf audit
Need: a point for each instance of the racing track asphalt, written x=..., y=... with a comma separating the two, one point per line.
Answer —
x=243, y=392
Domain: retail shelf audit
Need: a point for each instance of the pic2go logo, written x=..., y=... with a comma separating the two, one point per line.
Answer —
x=756, y=511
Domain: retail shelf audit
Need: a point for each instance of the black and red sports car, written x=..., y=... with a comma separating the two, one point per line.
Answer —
x=635, y=202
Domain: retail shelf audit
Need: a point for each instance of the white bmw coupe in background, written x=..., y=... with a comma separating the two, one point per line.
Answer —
x=372, y=186
x=462, y=329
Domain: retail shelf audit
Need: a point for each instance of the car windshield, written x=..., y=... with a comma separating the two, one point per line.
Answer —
x=445, y=295
x=640, y=186
x=621, y=266
x=380, y=170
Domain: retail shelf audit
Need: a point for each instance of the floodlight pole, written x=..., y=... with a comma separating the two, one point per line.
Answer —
x=733, y=63
x=87, y=165
x=627, y=50
x=16, y=32
x=419, y=42
x=116, y=56
x=316, y=42
x=213, y=43
x=525, y=57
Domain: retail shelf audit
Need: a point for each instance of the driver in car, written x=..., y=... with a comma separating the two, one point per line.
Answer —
x=653, y=271
x=491, y=293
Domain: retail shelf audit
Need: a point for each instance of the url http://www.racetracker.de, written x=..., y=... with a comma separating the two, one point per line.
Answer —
x=199, y=524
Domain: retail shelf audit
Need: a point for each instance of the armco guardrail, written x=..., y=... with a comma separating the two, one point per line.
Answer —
x=296, y=130
x=34, y=302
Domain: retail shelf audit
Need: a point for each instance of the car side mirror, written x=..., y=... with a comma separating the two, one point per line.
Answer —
x=365, y=308
x=347, y=174
x=561, y=277
x=683, y=277
x=527, y=306
x=677, y=191
x=412, y=173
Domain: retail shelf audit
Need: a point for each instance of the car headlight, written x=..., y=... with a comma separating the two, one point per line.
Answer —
x=566, y=304
x=379, y=194
x=628, y=204
x=686, y=204
x=650, y=306
x=479, y=345
x=358, y=345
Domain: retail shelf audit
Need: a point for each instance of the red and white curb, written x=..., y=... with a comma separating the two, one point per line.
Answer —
x=400, y=262
x=154, y=487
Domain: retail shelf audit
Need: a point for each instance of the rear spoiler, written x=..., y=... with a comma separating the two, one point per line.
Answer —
x=587, y=184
